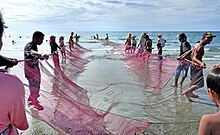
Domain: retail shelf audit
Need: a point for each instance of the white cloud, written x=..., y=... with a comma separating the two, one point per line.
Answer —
x=113, y=14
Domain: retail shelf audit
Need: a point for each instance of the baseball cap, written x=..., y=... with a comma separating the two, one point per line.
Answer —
x=208, y=34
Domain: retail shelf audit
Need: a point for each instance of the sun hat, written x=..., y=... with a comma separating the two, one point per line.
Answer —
x=159, y=35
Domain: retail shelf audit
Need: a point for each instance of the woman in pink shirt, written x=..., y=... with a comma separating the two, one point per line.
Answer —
x=12, y=105
x=12, y=102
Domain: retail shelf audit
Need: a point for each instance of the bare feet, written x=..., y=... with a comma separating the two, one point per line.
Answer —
x=187, y=96
x=174, y=85
x=193, y=95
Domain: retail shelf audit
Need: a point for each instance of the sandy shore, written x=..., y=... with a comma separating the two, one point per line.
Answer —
x=108, y=79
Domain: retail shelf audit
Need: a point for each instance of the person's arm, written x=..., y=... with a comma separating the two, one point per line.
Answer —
x=30, y=52
x=9, y=62
x=39, y=55
x=57, y=45
x=204, y=126
x=185, y=54
x=126, y=41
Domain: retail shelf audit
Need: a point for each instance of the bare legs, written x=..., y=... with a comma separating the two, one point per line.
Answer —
x=189, y=92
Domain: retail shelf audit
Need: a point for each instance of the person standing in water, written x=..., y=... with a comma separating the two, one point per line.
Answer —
x=54, y=51
x=128, y=43
x=197, y=79
x=183, y=67
x=148, y=48
x=133, y=44
x=161, y=40
x=62, y=46
x=31, y=67
x=71, y=42
x=141, y=45
x=160, y=57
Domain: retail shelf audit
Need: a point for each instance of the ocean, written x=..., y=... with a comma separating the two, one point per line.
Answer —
x=108, y=79
x=172, y=45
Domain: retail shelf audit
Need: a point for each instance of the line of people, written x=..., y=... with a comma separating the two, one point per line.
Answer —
x=192, y=58
x=12, y=92
x=187, y=53
x=144, y=46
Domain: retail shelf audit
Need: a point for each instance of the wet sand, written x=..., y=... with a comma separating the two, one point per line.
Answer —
x=107, y=79
x=167, y=110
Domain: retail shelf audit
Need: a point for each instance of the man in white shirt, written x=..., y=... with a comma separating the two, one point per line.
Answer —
x=161, y=40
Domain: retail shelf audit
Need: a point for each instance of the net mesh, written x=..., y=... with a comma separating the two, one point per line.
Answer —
x=67, y=105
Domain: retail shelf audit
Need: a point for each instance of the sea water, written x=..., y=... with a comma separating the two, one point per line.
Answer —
x=171, y=48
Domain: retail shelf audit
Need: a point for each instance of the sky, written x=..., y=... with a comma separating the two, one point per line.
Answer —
x=112, y=15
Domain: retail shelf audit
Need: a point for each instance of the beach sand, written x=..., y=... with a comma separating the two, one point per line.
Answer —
x=108, y=79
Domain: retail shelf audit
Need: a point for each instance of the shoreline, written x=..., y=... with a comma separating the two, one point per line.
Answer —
x=96, y=68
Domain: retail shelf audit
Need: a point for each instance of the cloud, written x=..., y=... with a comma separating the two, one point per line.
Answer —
x=113, y=14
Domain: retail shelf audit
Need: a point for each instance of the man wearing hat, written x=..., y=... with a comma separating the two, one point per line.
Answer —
x=197, y=80
x=161, y=40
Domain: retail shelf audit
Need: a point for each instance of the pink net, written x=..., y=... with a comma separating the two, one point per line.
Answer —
x=154, y=73
x=66, y=104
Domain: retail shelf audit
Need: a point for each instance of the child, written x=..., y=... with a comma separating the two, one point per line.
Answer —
x=133, y=44
x=128, y=43
x=210, y=123
x=62, y=46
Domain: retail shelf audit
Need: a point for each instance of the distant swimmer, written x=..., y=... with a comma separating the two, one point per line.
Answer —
x=106, y=36
x=97, y=36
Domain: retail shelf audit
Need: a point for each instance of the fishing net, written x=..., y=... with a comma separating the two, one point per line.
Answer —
x=168, y=111
x=163, y=110
x=67, y=106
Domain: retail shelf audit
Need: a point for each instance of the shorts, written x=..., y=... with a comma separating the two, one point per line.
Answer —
x=159, y=58
x=197, y=77
x=183, y=67
x=149, y=50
